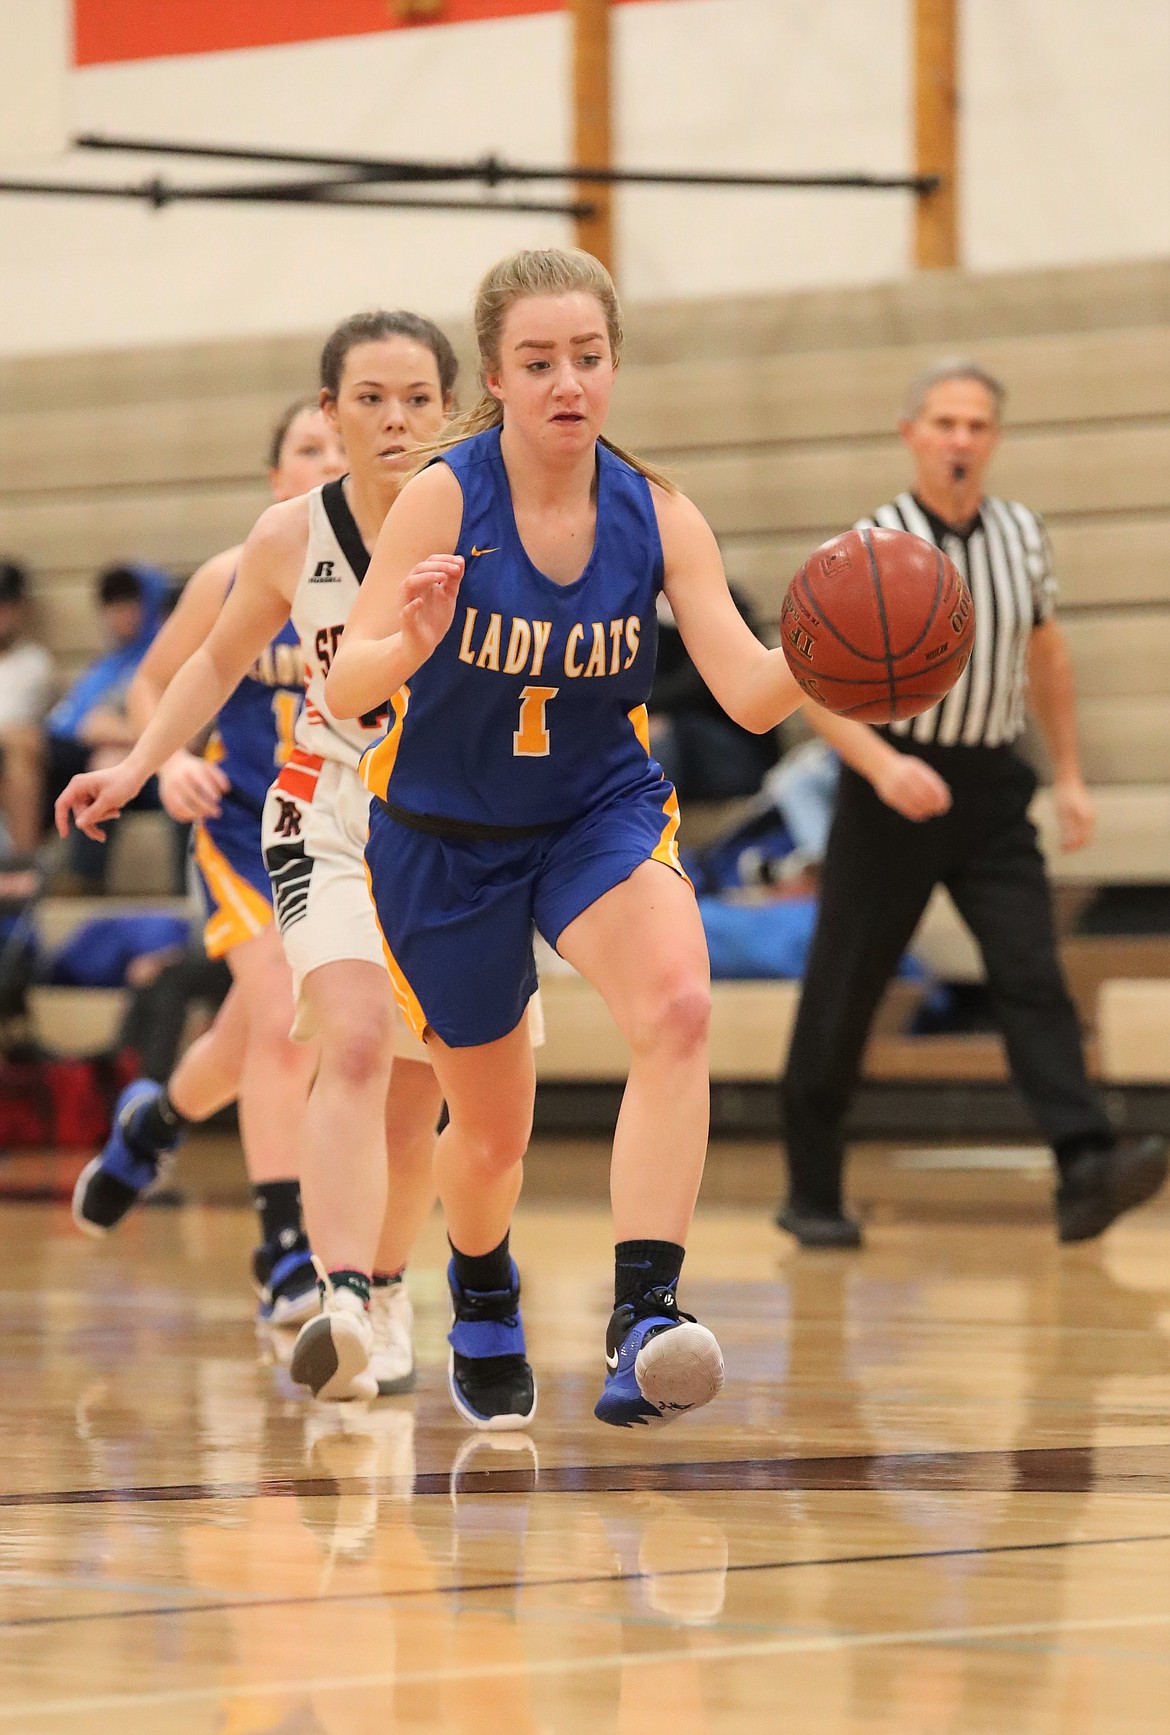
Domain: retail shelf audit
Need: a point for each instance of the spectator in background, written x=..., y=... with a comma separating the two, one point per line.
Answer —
x=26, y=688
x=88, y=729
x=705, y=755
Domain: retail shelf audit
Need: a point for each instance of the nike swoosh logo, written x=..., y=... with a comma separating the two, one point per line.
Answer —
x=476, y=552
x=611, y=1362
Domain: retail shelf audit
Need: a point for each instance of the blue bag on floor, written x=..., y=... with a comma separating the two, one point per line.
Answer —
x=756, y=940
x=750, y=941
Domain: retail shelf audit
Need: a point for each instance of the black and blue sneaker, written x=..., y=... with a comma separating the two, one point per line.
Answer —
x=126, y=1166
x=488, y=1375
x=661, y=1363
x=286, y=1280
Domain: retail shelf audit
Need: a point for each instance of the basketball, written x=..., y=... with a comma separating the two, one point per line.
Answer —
x=877, y=625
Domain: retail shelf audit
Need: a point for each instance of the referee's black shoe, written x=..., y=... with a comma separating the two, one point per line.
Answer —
x=1099, y=1185
x=813, y=1226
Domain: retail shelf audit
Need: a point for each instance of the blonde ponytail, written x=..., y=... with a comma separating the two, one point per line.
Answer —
x=544, y=271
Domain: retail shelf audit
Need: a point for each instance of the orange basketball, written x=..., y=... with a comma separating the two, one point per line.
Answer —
x=877, y=625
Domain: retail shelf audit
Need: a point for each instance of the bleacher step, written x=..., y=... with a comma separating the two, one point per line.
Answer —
x=78, y=1020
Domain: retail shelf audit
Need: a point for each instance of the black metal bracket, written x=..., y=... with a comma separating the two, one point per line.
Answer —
x=350, y=180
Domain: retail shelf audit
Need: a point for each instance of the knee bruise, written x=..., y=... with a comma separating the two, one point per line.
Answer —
x=358, y=1056
x=677, y=1023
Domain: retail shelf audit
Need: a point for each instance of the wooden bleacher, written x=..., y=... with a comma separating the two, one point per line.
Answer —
x=777, y=414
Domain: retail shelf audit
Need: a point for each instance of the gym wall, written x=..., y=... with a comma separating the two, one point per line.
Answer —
x=1066, y=153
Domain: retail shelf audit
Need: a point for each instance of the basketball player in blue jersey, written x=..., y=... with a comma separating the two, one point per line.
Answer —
x=509, y=617
x=387, y=380
x=246, y=1055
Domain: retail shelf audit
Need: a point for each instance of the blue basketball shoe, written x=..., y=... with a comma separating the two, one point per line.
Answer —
x=488, y=1375
x=661, y=1363
x=285, y=1280
x=126, y=1166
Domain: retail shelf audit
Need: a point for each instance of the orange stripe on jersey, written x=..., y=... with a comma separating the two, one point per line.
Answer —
x=298, y=776
x=378, y=761
x=241, y=913
x=404, y=994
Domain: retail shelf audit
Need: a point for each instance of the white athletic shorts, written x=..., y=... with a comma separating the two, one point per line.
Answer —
x=313, y=834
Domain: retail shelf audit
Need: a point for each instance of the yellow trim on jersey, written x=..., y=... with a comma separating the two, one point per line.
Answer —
x=408, y=1001
x=640, y=719
x=666, y=849
x=378, y=762
x=241, y=912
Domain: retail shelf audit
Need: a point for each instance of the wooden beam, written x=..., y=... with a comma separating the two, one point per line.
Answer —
x=936, y=224
x=592, y=130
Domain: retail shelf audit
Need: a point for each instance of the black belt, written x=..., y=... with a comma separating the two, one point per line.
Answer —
x=436, y=825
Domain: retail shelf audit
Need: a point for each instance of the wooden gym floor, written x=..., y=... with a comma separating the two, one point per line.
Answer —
x=934, y=1498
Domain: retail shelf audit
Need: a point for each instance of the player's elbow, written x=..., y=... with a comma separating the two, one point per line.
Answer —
x=756, y=719
x=742, y=705
x=341, y=693
x=752, y=712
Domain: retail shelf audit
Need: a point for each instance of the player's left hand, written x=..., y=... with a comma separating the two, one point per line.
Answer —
x=190, y=788
x=428, y=600
x=1075, y=813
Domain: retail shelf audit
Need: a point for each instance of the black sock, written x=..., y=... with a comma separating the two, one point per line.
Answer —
x=483, y=1271
x=345, y=1278
x=159, y=1124
x=387, y=1279
x=643, y=1265
x=278, y=1206
x=1068, y=1152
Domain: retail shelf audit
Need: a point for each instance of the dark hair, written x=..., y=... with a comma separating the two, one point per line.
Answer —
x=13, y=582
x=118, y=584
x=282, y=425
x=371, y=328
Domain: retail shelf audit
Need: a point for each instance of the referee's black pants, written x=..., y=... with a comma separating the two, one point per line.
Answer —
x=879, y=872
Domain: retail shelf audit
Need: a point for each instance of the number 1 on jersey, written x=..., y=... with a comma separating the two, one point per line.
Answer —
x=531, y=739
x=286, y=708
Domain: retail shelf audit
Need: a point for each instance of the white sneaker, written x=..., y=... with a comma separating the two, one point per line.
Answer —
x=392, y=1323
x=332, y=1352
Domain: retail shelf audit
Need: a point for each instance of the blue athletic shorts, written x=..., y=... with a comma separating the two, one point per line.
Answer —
x=457, y=914
x=237, y=893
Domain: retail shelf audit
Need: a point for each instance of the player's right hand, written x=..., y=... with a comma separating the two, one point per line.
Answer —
x=428, y=600
x=911, y=787
x=93, y=797
x=190, y=788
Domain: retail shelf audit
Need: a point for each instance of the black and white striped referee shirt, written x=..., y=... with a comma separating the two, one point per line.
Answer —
x=1005, y=558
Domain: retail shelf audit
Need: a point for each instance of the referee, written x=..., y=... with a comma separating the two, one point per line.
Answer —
x=943, y=798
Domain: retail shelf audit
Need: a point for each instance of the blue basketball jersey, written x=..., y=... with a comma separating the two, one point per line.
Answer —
x=532, y=710
x=254, y=730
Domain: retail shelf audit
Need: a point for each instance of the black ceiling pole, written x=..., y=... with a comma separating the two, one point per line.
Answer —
x=353, y=182
x=160, y=193
x=493, y=171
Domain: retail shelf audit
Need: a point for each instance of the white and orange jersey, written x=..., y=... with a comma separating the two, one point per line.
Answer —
x=336, y=560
